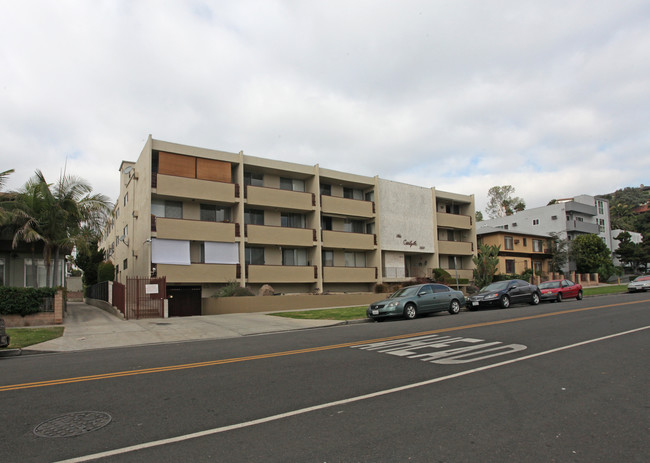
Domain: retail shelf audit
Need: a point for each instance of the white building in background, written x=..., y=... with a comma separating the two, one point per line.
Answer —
x=569, y=218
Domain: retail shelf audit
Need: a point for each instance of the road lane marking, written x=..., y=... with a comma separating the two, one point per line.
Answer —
x=302, y=411
x=121, y=374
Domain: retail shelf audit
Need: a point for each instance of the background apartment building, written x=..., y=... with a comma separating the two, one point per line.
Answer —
x=568, y=218
x=519, y=251
x=203, y=218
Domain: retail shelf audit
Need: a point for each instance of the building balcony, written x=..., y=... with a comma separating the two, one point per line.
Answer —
x=198, y=273
x=348, y=240
x=191, y=188
x=456, y=248
x=349, y=274
x=347, y=207
x=281, y=274
x=193, y=230
x=280, y=236
x=582, y=227
x=282, y=199
x=462, y=274
x=580, y=208
x=462, y=222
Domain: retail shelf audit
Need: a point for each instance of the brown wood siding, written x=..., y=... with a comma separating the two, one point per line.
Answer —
x=209, y=169
x=177, y=164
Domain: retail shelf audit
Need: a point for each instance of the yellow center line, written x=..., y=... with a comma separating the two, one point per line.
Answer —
x=145, y=371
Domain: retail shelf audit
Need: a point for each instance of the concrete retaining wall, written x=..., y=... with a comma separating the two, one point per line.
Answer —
x=249, y=304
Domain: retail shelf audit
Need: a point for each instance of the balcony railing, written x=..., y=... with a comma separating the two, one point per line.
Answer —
x=455, y=247
x=280, y=236
x=195, y=230
x=347, y=207
x=348, y=240
x=446, y=220
x=281, y=274
x=275, y=197
x=192, y=188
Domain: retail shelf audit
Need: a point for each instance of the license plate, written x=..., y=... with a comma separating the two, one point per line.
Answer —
x=474, y=302
x=375, y=312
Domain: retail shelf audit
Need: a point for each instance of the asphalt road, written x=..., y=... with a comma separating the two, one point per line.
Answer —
x=556, y=382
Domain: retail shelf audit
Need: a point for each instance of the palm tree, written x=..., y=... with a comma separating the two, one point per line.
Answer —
x=55, y=215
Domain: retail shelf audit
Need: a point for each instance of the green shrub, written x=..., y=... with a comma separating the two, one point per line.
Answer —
x=232, y=289
x=441, y=275
x=23, y=301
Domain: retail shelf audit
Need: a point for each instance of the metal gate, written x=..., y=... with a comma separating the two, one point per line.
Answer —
x=145, y=297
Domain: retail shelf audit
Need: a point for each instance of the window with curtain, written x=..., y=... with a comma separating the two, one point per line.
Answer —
x=297, y=256
x=174, y=252
x=355, y=259
x=292, y=220
x=328, y=258
x=507, y=242
x=253, y=179
x=168, y=209
x=292, y=184
x=254, y=217
x=254, y=256
x=214, y=213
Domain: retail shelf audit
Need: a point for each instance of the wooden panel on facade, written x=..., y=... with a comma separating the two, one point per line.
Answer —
x=210, y=169
x=176, y=164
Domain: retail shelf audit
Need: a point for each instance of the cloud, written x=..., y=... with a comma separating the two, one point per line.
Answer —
x=549, y=97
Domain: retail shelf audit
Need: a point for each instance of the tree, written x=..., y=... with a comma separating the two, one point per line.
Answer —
x=55, y=215
x=479, y=216
x=88, y=259
x=486, y=264
x=592, y=255
x=627, y=251
x=559, y=252
x=502, y=202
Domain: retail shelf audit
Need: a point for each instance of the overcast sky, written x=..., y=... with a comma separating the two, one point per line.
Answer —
x=551, y=97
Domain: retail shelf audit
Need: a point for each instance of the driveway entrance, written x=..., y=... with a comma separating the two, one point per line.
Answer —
x=184, y=301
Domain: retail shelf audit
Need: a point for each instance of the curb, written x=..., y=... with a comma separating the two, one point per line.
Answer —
x=10, y=352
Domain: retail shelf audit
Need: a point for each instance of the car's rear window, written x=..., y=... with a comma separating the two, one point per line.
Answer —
x=549, y=285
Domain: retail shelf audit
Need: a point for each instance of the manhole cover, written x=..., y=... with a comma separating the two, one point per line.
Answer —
x=72, y=424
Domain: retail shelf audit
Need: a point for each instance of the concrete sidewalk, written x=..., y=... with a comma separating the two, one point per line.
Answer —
x=88, y=327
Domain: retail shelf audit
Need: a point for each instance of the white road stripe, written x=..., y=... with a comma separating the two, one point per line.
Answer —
x=209, y=432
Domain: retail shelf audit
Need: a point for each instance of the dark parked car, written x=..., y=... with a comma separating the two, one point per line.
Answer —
x=556, y=290
x=504, y=293
x=411, y=301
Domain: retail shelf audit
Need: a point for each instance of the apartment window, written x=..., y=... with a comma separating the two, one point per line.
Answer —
x=354, y=226
x=452, y=209
x=370, y=228
x=352, y=193
x=325, y=189
x=126, y=198
x=169, y=209
x=370, y=196
x=293, y=220
x=292, y=184
x=535, y=221
x=326, y=223
x=355, y=259
x=38, y=273
x=328, y=258
x=117, y=213
x=297, y=256
x=254, y=256
x=510, y=266
x=454, y=262
x=525, y=242
x=253, y=178
x=601, y=208
x=254, y=217
x=537, y=245
x=125, y=231
x=125, y=264
x=537, y=267
x=601, y=225
x=507, y=242
x=213, y=213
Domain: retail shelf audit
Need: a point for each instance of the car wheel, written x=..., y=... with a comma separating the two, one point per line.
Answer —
x=505, y=301
x=559, y=297
x=535, y=299
x=579, y=296
x=410, y=312
x=454, y=307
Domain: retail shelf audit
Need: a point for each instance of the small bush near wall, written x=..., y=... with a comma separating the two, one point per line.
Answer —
x=23, y=301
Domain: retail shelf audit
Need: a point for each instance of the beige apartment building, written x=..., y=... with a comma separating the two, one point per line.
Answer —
x=203, y=218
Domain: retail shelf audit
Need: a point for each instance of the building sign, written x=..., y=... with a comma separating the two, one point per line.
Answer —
x=151, y=289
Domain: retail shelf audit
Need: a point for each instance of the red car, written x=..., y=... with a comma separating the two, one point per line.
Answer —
x=556, y=290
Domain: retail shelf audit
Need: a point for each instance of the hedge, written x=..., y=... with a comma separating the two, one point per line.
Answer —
x=23, y=301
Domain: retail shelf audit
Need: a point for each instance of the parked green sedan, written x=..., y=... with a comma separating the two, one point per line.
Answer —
x=414, y=300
